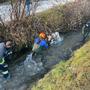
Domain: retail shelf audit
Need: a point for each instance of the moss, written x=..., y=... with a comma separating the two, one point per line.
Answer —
x=73, y=74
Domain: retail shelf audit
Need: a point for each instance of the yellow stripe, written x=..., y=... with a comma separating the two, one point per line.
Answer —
x=2, y=61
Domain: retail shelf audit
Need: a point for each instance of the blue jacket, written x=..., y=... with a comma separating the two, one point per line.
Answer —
x=42, y=43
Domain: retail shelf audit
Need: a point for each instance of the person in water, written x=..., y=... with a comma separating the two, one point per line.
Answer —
x=40, y=44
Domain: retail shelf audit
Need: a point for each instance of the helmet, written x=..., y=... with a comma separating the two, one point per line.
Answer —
x=42, y=35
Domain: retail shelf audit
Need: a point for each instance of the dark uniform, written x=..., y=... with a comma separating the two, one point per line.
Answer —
x=86, y=30
x=3, y=65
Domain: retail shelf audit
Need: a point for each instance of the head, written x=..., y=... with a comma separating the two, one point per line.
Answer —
x=49, y=37
x=8, y=44
x=88, y=24
x=42, y=35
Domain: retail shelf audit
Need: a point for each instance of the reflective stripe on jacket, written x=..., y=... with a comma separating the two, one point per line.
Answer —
x=2, y=61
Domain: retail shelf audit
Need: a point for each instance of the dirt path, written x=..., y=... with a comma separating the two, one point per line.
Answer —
x=21, y=79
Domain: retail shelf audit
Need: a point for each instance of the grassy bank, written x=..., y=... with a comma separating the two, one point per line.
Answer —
x=73, y=74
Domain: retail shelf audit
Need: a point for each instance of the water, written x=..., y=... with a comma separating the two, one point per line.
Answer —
x=5, y=12
x=21, y=74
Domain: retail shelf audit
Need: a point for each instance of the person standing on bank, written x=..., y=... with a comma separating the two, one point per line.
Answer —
x=3, y=65
x=27, y=4
x=86, y=31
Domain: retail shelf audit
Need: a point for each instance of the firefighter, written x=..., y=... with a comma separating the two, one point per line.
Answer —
x=40, y=44
x=3, y=64
x=86, y=30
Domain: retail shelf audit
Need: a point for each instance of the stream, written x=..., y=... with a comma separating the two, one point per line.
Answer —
x=23, y=74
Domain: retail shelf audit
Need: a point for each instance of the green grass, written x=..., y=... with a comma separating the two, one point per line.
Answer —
x=73, y=74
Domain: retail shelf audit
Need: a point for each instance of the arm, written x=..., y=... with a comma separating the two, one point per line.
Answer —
x=44, y=44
